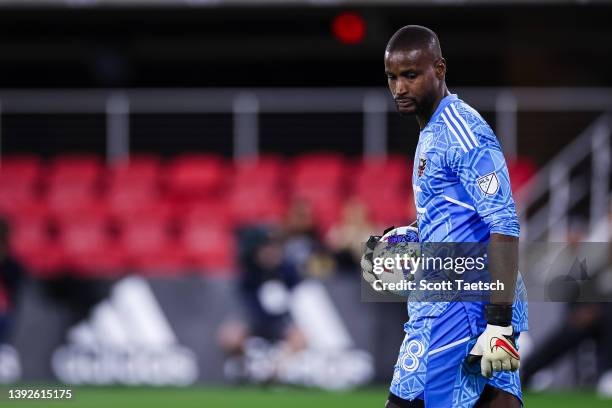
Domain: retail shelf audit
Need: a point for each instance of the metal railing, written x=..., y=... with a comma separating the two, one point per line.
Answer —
x=564, y=190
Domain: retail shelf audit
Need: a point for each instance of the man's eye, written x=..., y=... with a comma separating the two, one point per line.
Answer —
x=390, y=77
x=411, y=75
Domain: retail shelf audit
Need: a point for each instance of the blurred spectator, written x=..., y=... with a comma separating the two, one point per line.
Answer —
x=303, y=246
x=265, y=279
x=265, y=283
x=12, y=274
x=345, y=239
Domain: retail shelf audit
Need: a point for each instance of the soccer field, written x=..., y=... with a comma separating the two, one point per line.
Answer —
x=115, y=397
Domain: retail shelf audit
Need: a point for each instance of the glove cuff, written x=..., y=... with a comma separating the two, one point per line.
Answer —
x=498, y=315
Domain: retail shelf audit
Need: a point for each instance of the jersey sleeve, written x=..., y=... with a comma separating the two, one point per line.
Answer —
x=481, y=169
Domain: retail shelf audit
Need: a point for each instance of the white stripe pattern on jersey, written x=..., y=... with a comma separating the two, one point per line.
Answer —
x=459, y=128
x=466, y=127
x=452, y=130
x=461, y=203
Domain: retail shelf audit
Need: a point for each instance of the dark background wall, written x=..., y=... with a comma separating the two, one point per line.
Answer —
x=511, y=45
x=484, y=45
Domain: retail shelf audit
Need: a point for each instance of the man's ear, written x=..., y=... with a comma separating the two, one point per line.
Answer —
x=440, y=67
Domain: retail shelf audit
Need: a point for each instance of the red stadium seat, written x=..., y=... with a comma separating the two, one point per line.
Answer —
x=374, y=172
x=23, y=168
x=73, y=186
x=255, y=205
x=145, y=235
x=126, y=200
x=69, y=199
x=31, y=242
x=207, y=211
x=88, y=248
x=75, y=169
x=196, y=176
x=18, y=182
x=138, y=171
x=16, y=196
x=264, y=172
x=209, y=247
x=133, y=186
x=318, y=171
x=390, y=206
x=149, y=247
x=29, y=233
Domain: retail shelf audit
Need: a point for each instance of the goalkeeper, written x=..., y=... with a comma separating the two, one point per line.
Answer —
x=456, y=354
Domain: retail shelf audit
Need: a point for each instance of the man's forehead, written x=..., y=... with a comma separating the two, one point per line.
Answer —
x=404, y=58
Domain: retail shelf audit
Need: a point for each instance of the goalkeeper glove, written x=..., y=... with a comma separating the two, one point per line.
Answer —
x=495, y=346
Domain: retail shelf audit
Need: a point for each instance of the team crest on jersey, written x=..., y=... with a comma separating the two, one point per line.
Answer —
x=422, y=164
x=488, y=184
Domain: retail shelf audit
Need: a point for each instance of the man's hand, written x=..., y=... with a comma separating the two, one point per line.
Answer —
x=495, y=346
x=497, y=350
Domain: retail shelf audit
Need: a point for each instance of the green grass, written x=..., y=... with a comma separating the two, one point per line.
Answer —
x=196, y=397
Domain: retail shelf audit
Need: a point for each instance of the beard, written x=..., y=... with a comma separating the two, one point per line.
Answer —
x=413, y=112
x=413, y=107
x=422, y=106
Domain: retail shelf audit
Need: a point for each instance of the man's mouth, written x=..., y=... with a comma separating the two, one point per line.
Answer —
x=404, y=103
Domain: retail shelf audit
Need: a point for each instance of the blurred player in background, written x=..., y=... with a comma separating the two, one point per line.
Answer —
x=462, y=194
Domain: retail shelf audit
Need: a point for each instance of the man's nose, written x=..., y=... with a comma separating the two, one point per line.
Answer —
x=401, y=87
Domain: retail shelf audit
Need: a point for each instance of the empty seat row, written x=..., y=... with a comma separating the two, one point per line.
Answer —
x=74, y=212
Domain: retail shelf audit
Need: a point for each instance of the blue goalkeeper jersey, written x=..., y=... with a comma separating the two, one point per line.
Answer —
x=462, y=190
x=460, y=179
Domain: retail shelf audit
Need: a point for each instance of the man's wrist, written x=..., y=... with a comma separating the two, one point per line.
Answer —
x=498, y=314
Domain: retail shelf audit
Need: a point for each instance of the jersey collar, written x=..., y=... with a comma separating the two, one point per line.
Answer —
x=444, y=102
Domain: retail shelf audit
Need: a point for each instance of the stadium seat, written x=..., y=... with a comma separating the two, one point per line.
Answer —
x=88, y=248
x=196, y=176
x=73, y=186
x=206, y=211
x=264, y=172
x=322, y=170
x=149, y=248
x=29, y=232
x=124, y=200
x=75, y=169
x=68, y=199
x=372, y=173
x=31, y=243
x=390, y=206
x=252, y=205
x=209, y=247
x=18, y=184
x=138, y=170
x=16, y=196
x=23, y=168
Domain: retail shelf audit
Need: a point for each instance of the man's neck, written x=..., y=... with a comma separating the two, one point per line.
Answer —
x=423, y=120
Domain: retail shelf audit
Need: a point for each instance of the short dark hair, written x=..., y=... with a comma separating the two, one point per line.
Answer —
x=415, y=37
